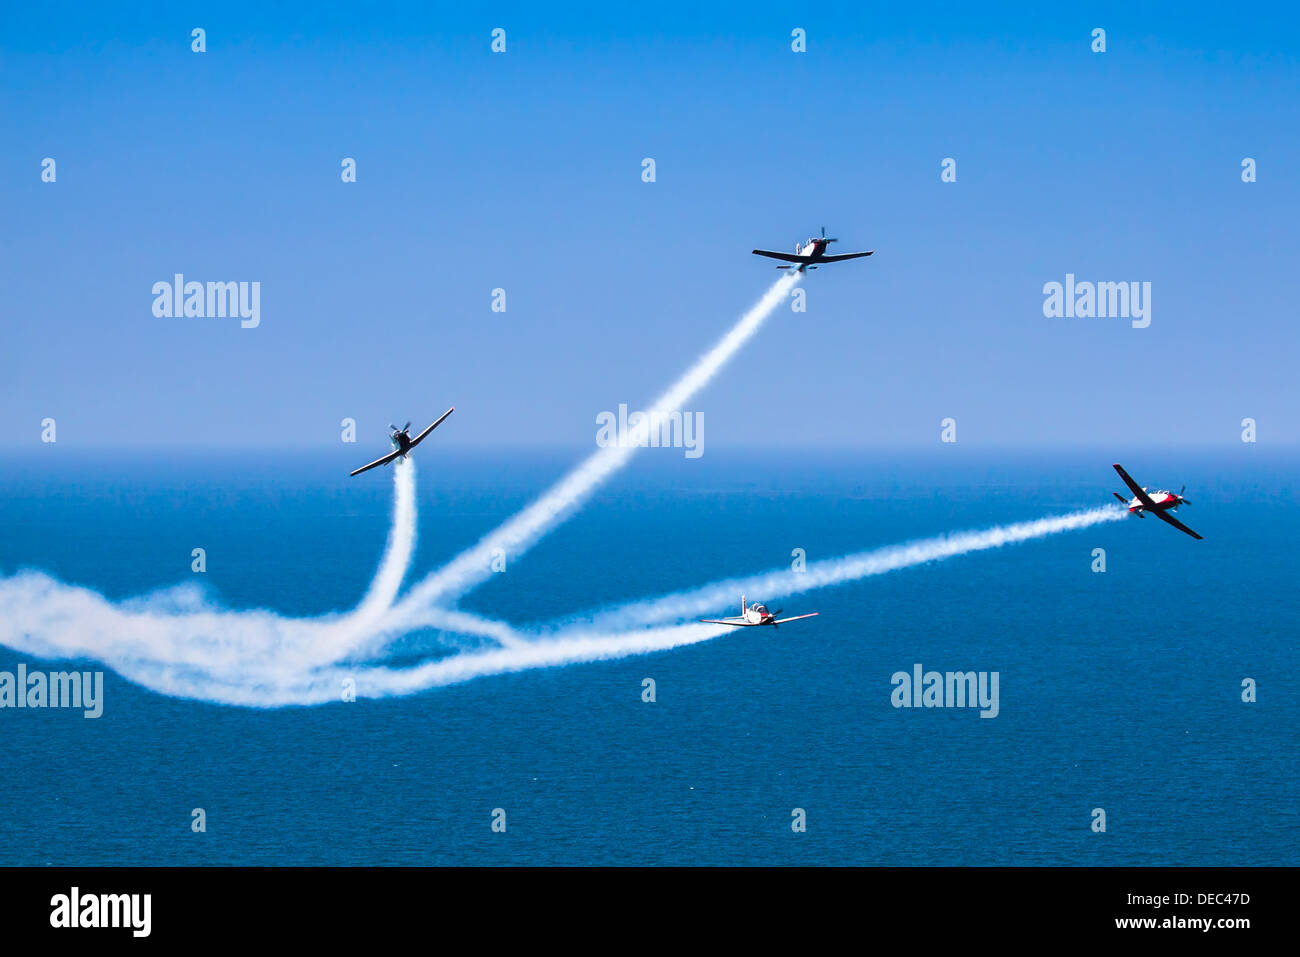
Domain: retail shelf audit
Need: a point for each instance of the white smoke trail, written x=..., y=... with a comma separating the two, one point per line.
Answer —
x=397, y=554
x=514, y=537
x=170, y=643
x=606, y=636
x=180, y=629
x=715, y=598
x=177, y=643
x=273, y=689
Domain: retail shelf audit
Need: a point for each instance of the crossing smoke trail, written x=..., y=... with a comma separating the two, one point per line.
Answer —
x=177, y=642
x=173, y=644
x=472, y=567
x=606, y=637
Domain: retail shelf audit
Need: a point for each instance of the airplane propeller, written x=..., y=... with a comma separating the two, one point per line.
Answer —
x=824, y=236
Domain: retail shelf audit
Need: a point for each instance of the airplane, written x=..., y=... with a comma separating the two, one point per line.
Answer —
x=755, y=614
x=402, y=442
x=811, y=254
x=1159, y=503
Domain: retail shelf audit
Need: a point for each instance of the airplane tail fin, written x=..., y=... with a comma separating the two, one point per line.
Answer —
x=742, y=604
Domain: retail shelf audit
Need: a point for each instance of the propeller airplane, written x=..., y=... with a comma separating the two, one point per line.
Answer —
x=755, y=614
x=811, y=254
x=1159, y=503
x=402, y=442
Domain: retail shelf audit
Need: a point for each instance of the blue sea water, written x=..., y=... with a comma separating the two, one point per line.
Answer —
x=1119, y=690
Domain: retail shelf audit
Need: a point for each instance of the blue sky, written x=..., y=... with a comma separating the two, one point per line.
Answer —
x=522, y=171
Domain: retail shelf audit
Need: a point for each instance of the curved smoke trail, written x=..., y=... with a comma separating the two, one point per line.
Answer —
x=179, y=629
x=58, y=621
x=397, y=553
x=177, y=642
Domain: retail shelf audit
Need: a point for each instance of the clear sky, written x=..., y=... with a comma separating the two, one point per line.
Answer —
x=522, y=170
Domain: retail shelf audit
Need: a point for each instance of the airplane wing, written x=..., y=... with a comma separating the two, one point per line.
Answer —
x=835, y=259
x=377, y=462
x=420, y=438
x=782, y=621
x=1177, y=524
x=1143, y=497
x=736, y=622
x=785, y=257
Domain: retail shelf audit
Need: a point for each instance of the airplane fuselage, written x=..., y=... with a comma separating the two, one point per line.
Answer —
x=815, y=248
x=1162, y=500
x=756, y=614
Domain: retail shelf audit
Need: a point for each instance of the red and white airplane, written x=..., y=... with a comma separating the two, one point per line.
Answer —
x=811, y=254
x=1159, y=503
x=755, y=614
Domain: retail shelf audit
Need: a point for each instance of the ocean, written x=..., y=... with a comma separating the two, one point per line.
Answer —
x=1119, y=690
